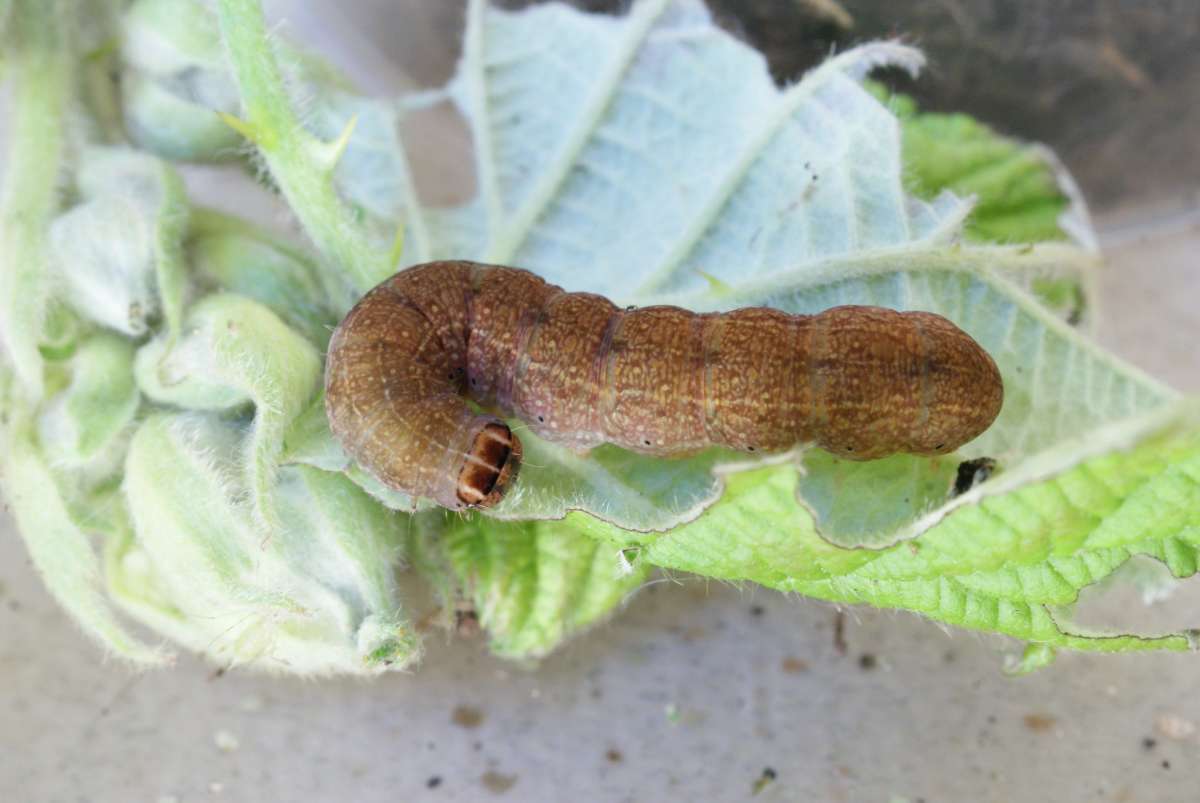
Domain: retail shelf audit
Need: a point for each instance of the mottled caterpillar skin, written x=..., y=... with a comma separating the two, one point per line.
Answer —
x=863, y=382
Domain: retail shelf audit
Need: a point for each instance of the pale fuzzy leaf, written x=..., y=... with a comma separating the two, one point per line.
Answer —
x=104, y=251
x=174, y=78
x=78, y=425
x=230, y=254
x=236, y=350
x=119, y=254
x=662, y=154
x=672, y=163
x=59, y=548
x=318, y=598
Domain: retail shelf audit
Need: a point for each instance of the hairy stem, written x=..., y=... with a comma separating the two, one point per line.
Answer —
x=40, y=60
x=301, y=164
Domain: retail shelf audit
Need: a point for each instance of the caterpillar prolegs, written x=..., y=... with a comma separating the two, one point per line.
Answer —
x=862, y=382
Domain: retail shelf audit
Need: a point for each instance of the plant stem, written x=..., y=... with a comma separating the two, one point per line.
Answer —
x=301, y=164
x=40, y=58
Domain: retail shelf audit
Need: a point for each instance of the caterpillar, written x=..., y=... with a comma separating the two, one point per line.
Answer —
x=862, y=382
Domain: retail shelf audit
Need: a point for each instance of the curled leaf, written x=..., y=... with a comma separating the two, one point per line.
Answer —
x=59, y=546
x=175, y=81
x=82, y=425
x=318, y=598
x=119, y=254
x=234, y=351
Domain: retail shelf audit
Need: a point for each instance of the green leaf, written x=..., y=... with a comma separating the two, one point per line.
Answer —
x=1023, y=193
x=1019, y=198
x=1008, y=563
x=532, y=584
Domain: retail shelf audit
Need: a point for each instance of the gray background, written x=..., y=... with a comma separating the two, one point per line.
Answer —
x=690, y=693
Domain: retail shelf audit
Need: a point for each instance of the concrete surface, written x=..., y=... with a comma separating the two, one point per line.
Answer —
x=697, y=691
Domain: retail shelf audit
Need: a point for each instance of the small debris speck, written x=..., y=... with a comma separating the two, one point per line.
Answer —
x=614, y=755
x=1166, y=765
x=1039, y=723
x=1174, y=727
x=225, y=741
x=794, y=666
x=768, y=775
x=867, y=661
x=757, y=610
x=466, y=716
x=497, y=782
x=216, y=787
x=839, y=633
x=1149, y=743
x=434, y=782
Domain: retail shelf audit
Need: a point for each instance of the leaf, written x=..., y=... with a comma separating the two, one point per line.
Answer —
x=82, y=423
x=532, y=584
x=120, y=252
x=59, y=547
x=676, y=171
x=173, y=80
x=1019, y=198
x=1023, y=194
x=672, y=170
x=232, y=255
x=234, y=351
x=1007, y=563
x=318, y=598
x=622, y=178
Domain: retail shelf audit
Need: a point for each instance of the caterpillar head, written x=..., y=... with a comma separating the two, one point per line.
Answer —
x=490, y=466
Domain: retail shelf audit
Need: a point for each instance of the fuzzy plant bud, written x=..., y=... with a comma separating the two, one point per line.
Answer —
x=118, y=251
x=175, y=81
x=318, y=597
x=224, y=253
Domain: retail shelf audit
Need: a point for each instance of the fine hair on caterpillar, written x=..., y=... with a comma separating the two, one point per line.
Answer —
x=861, y=382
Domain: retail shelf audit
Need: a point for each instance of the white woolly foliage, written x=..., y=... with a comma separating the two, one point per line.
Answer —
x=108, y=251
x=235, y=350
x=318, y=597
x=174, y=78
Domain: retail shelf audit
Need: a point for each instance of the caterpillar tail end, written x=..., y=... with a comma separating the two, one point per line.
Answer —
x=490, y=468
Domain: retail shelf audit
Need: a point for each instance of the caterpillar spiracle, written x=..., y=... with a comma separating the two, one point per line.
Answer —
x=861, y=382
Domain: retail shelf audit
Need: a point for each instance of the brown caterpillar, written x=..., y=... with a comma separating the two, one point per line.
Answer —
x=863, y=382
